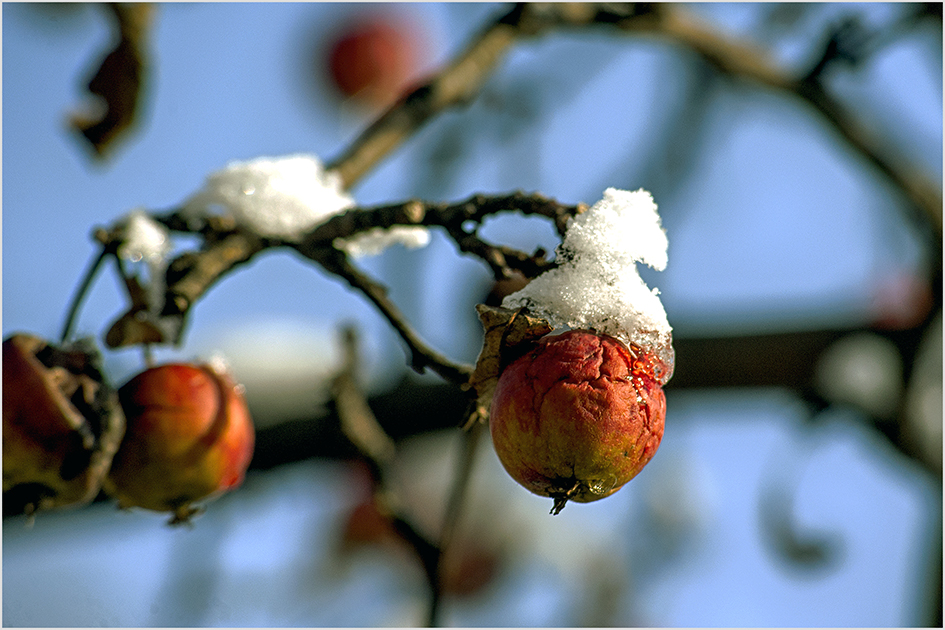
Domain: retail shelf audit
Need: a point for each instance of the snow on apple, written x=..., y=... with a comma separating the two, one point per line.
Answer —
x=579, y=414
x=597, y=285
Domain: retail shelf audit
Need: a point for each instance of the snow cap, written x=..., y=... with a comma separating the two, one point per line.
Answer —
x=596, y=283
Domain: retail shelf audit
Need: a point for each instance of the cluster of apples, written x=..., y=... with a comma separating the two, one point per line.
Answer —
x=170, y=437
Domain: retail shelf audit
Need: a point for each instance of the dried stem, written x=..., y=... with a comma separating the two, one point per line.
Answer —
x=81, y=292
x=361, y=427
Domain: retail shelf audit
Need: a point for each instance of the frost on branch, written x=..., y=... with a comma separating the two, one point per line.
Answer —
x=276, y=197
x=376, y=240
x=597, y=285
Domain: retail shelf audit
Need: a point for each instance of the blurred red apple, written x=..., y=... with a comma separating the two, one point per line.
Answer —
x=61, y=424
x=577, y=416
x=366, y=525
x=469, y=568
x=189, y=438
x=373, y=59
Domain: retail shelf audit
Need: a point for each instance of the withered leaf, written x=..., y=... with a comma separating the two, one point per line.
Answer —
x=507, y=333
x=118, y=80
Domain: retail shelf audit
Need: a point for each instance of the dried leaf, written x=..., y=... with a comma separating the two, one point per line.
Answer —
x=133, y=328
x=118, y=81
x=507, y=334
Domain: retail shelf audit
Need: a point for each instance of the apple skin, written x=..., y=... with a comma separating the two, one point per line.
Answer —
x=189, y=437
x=61, y=425
x=577, y=416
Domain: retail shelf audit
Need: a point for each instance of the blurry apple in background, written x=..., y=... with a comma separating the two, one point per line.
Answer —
x=472, y=563
x=189, y=438
x=374, y=57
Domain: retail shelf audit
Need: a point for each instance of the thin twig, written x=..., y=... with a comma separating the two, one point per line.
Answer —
x=358, y=422
x=81, y=292
x=454, y=509
x=422, y=356
x=360, y=426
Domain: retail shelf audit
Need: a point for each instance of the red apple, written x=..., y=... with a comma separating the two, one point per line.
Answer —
x=189, y=438
x=61, y=425
x=577, y=416
x=373, y=59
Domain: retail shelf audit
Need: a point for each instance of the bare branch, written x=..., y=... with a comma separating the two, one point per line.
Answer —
x=457, y=84
x=422, y=356
x=747, y=62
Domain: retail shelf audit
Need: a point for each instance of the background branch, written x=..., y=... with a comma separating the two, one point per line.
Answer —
x=751, y=63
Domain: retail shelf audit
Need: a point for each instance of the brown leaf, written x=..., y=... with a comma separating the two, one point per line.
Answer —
x=507, y=334
x=118, y=81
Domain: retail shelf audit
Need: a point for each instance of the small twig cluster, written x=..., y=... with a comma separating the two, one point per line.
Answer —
x=226, y=246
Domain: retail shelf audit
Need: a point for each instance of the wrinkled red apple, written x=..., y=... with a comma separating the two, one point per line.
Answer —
x=189, y=438
x=577, y=416
x=373, y=59
x=61, y=425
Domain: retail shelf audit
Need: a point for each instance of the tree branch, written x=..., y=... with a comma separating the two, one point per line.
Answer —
x=336, y=262
x=750, y=63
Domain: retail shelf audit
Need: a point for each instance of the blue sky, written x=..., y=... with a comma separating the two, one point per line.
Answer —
x=776, y=227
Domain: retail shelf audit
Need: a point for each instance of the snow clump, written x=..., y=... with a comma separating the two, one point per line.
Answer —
x=376, y=240
x=145, y=239
x=596, y=284
x=277, y=197
x=285, y=197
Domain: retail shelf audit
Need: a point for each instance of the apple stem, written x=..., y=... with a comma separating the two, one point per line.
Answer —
x=562, y=499
x=147, y=355
x=558, y=505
